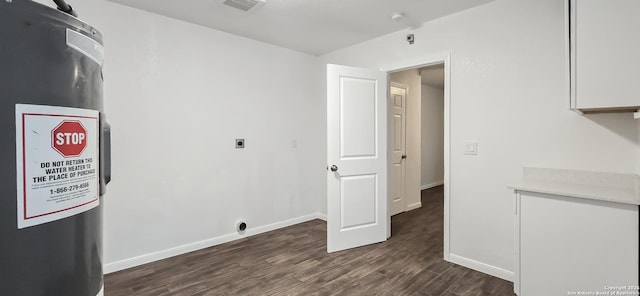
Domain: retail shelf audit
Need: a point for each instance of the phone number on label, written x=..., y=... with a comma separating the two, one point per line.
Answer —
x=70, y=188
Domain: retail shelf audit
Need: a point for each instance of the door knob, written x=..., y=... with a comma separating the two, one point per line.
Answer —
x=334, y=168
x=404, y=156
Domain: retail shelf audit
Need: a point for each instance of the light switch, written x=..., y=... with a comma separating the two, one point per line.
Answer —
x=471, y=148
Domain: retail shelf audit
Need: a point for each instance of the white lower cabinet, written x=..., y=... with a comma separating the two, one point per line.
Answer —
x=574, y=246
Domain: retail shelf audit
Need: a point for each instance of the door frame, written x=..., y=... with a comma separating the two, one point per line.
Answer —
x=430, y=60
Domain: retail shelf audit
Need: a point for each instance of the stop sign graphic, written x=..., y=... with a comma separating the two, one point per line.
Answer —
x=69, y=138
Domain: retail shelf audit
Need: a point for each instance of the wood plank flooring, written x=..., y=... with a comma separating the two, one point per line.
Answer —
x=294, y=261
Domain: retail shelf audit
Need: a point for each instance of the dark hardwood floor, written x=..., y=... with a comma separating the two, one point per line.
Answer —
x=294, y=261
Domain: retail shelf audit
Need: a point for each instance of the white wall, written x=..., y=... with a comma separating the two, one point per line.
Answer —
x=411, y=78
x=177, y=95
x=432, y=133
x=509, y=93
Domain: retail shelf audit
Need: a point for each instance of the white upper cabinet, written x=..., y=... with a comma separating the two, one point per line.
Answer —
x=605, y=55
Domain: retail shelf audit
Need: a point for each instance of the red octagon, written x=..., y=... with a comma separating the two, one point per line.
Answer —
x=69, y=138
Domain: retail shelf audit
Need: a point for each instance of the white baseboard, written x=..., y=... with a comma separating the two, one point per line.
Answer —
x=482, y=267
x=155, y=256
x=434, y=184
x=414, y=206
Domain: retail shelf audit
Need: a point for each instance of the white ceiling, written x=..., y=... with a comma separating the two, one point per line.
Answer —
x=311, y=26
x=433, y=75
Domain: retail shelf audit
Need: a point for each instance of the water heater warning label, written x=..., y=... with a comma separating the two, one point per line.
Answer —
x=57, y=162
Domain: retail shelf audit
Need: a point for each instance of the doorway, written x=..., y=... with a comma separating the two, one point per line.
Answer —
x=416, y=135
x=426, y=137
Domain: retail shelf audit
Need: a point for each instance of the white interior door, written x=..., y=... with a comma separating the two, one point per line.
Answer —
x=397, y=134
x=357, y=155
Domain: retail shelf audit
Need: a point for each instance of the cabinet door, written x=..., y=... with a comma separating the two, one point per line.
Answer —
x=569, y=245
x=605, y=53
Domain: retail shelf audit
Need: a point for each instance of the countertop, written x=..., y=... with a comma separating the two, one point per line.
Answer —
x=611, y=187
